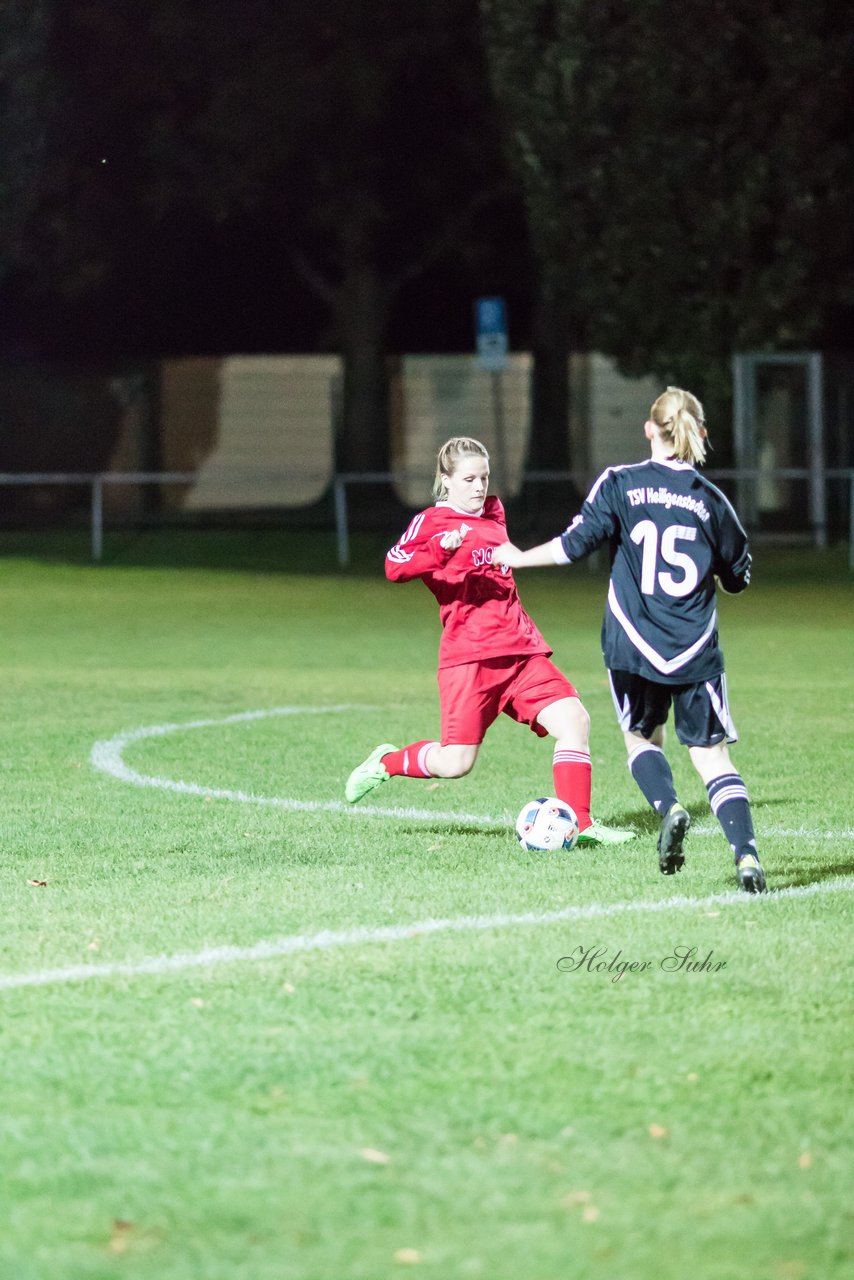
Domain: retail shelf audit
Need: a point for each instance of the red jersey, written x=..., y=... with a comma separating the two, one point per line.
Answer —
x=480, y=610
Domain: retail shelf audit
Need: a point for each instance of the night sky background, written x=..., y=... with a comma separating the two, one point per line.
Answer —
x=662, y=182
x=147, y=221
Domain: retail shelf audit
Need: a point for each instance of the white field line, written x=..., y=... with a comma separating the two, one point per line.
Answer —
x=107, y=756
x=326, y=940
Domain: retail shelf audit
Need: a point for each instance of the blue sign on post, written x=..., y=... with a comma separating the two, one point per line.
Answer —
x=491, y=329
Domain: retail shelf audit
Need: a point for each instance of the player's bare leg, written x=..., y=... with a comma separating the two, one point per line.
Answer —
x=419, y=760
x=451, y=761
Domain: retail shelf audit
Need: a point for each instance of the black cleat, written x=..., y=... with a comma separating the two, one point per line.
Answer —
x=674, y=826
x=751, y=877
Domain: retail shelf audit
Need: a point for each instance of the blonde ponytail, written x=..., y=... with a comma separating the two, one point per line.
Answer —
x=681, y=423
x=449, y=454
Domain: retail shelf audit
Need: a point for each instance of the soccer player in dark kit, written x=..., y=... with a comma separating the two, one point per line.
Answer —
x=492, y=658
x=672, y=535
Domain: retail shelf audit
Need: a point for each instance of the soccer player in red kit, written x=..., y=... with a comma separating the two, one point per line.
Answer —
x=492, y=658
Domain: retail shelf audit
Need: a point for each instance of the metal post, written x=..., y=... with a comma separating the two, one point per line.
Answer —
x=743, y=428
x=342, y=537
x=97, y=518
x=501, y=480
x=815, y=415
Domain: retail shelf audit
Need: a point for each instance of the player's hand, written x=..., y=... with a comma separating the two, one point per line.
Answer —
x=507, y=554
x=452, y=539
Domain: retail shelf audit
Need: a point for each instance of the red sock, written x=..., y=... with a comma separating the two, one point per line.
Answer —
x=409, y=761
x=573, y=777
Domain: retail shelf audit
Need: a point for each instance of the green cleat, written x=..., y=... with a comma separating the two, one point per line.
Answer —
x=751, y=877
x=674, y=826
x=369, y=775
x=597, y=833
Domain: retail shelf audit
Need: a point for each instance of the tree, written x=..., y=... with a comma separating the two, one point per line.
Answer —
x=401, y=156
x=534, y=56
x=25, y=109
x=359, y=133
x=687, y=176
x=727, y=176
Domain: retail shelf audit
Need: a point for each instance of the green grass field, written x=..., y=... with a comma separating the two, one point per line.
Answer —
x=226, y=1057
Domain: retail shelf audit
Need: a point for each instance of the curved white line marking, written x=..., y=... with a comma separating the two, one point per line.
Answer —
x=328, y=939
x=107, y=756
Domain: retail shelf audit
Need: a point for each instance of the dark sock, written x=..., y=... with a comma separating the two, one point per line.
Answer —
x=731, y=807
x=650, y=769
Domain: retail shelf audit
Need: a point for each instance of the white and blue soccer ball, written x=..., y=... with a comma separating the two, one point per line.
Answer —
x=547, y=825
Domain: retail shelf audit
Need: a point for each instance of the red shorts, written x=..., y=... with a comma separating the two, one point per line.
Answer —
x=474, y=694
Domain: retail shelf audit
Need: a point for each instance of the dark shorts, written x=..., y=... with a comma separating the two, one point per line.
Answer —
x=474, y=694
x=700, y=711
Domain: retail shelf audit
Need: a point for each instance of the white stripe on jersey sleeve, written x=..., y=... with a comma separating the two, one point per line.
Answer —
x=625, y=466
x=397, y=553
x=719, y=493
x=665, y=665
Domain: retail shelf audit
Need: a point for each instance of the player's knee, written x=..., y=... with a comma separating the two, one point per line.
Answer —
x=567, y=721
x=634, y=739
x=464, y=762
x=576, y=720
x=453, y=762
x=710, y=761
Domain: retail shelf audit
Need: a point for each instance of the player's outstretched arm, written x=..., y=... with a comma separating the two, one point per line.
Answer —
x=534, y=557
x=420, y=551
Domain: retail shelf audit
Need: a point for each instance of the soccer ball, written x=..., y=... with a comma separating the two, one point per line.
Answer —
x=547, y=825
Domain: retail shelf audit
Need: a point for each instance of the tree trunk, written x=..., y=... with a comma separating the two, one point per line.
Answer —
x=363, y=442
x=549, y=448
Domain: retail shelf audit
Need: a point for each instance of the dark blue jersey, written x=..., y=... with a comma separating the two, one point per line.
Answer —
x=671, y=533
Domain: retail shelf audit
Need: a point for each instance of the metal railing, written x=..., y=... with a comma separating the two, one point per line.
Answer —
x=98, y=480
x=583, y=480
